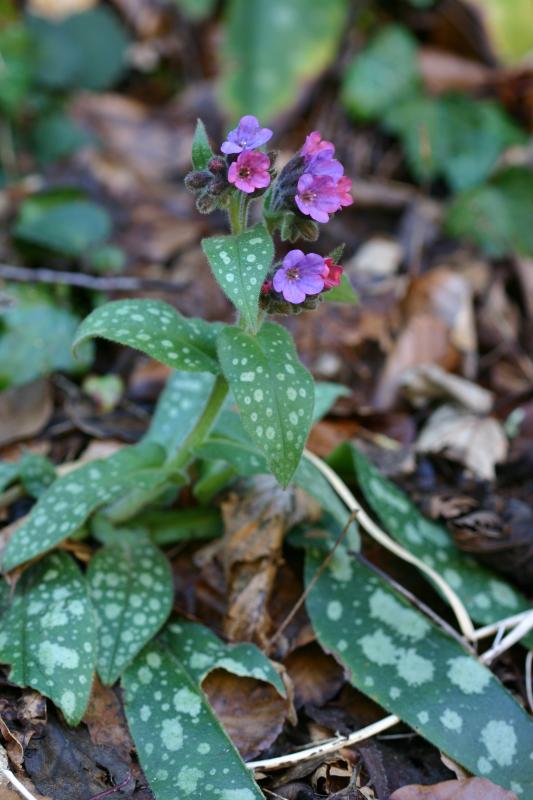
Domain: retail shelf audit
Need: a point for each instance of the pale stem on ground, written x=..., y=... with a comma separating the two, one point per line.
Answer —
x=14, y=781
x=508, y=641
x=328, y=746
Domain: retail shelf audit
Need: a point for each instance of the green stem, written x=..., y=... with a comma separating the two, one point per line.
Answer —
x=234, y=213
x=202, y=427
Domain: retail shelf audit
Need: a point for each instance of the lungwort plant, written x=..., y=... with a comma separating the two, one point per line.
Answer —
x=241, y=403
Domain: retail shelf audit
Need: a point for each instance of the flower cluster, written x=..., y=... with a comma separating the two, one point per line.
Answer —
x=309, y=189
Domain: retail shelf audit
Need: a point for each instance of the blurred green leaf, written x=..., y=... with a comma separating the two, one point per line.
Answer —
x=17, y=67
x=273, y=48
x=196, y=10
x=343, y=293
x=509, y=26
x=455, y=137
x=496, y=216
x=383, y=74
x=62, y=221
x=201, y=149
x=35, y=337
x=56, y=135
x=83, y=51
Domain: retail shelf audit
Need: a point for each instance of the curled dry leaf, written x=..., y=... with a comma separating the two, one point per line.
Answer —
x=24, y=410
x=316, y=676
x=250, y=551
x=252, y=712
x=469, y=789
x=429, y=382
x=477, y=442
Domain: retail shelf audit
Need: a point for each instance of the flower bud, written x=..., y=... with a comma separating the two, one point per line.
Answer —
x=197, y=180
x=205, y=203
x=217, y=165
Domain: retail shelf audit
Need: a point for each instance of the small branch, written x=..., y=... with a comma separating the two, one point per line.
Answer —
x=115, y=283
x=312, y=582
x=508, y=641
x=14, y=781
x=494, y=627
x=461, y=614
x=323, y=748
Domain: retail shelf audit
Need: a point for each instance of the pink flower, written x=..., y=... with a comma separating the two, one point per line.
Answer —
x=299, y=276
x=344, y=186
x=332, y=274
x=246, y=136
x=250, y=171
x=315, y=144
x=317, y=196
x=323, y=164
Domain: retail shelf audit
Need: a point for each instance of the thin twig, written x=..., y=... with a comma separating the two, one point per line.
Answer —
x=14, y=781
x=303, y=597
x=322, y=748
x=529, y=678
x=508, y=641
x=446, y=627
x=98, y=283
x=461, y=614
x=113, y=790
x=507, y=622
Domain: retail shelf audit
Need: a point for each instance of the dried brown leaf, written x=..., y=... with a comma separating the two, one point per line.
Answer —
x=24, y=410
x=316, y=676
x=469, y=789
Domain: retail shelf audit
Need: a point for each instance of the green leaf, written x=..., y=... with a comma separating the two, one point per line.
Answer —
x=485, y=595
x=35, y=338
x=197, y=10
x=130, y=585
x=187, y=524
x=47, y=634
x=67, y=225
x=496, y=216
x=201, y=149
x=343, y=293
x=36, y=473
x=56, y=136
x=9, y=472
x=71, y=500
x=273, y=391
x=81, y=51
x=180, y=405
x=326, y=395
x=240, y=265
x=455, y=136
x=172, y=723
x=400, y=659
x=4, y=597
x=383, y=74
x=18, y=68
x=273, y=48
x=157, y=329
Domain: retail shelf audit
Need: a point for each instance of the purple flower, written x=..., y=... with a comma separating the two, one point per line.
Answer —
x=344, y=186
x=323, y=164
x=246, y=136
x=317, y=196
x=250, y=171
x=315, y=144
x=299, y=276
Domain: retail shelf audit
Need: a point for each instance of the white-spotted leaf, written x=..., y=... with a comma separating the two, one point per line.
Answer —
x=273, y=391
x=47, y=634
x=240, y=265
x=70, y=501
x=130, y=586
x=180, y=405
x=487, y=597
x=35, y=472
x=201, y=149
x=409, y=666
x=182, y=747
x=4, y=596
x=9, y=472
x=157, y=329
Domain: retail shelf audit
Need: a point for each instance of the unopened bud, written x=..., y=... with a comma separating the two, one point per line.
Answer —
x=205, y=203
x=197, y=180
x=217, y=165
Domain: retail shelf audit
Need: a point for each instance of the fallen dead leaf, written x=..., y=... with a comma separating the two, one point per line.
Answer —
x=106, y=721
x=315, y=675
x=24, y=410
x=443, y=71
x=252, y=712
x=469, y=789
x=429, y=382
x=478, y=442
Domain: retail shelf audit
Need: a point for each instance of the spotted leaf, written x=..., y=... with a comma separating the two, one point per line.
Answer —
x=130, y=585
x=408, y=665
x=156, y=329
x=240, y=264
x=35, y=472
x=4, y=596
x=8, y=473
x=182, y=747
x=485, y=595
x=180, y=405
x=69, y=502
x=47, y=634
x=273, y=391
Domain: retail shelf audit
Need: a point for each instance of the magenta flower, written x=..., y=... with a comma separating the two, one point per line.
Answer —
x=299, y=275
x=315, y=144
x=250, y=171
x=317, y=196
x=344, y=186
x=332, y=274
x=246, y=136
